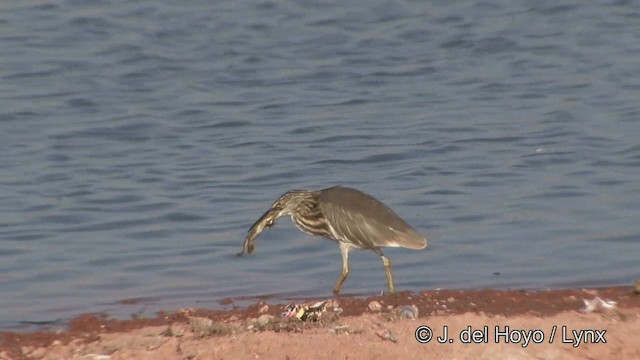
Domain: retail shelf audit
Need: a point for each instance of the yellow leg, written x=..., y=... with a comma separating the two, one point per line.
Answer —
x=344, y=250
x=389, y=273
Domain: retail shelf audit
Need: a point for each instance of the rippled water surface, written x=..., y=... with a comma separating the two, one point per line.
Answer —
x=140, y=140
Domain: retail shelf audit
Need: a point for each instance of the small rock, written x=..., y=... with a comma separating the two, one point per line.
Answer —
x=55, y=343
x=340, y=329
x=265, y=319
x=26, y=350
x=389, y=307
x=388, y=335
x=263, y=309
x=637, y=287
x=451, y=299
x=375, y=306
x=408, y=312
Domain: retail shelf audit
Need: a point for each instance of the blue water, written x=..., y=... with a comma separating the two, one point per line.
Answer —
x=139, y=140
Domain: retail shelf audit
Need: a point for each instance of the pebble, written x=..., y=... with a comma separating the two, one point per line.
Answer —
x=408, y=312
x=375, y=306
x=340, y=329
x=263, y=309
x=388, y=335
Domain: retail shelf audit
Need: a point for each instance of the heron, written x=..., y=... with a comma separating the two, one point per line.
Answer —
x=350, y=217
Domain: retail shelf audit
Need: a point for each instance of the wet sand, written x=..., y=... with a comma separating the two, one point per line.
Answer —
x=480, y=324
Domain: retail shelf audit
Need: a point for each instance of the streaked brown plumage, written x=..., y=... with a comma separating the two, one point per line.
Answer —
x=348, y=216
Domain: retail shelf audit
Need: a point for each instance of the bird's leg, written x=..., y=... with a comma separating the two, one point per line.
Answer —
x=389, y=273
x=344, y=250
x=387, y=270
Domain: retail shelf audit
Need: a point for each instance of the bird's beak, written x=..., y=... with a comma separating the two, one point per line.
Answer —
x=267, y=220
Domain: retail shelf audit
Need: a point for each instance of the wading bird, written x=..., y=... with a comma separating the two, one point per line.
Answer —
x=351, y=218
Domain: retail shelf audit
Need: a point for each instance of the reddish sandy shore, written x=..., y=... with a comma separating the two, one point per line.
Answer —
x=480, y=324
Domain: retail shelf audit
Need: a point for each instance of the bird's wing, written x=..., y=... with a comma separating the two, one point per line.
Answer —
x=365, y=222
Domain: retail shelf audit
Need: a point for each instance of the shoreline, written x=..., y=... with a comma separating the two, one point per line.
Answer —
x=383, y=324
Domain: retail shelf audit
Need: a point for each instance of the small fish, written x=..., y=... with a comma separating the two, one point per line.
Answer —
x=267, y=220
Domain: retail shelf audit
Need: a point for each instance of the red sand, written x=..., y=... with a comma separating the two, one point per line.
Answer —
x=360, y=333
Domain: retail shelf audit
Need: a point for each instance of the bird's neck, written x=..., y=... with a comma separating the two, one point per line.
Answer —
x=309, y=218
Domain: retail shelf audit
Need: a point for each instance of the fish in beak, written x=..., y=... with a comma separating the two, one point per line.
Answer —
x=267, y=220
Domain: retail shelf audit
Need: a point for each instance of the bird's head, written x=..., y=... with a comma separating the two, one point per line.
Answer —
x=286, y=204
